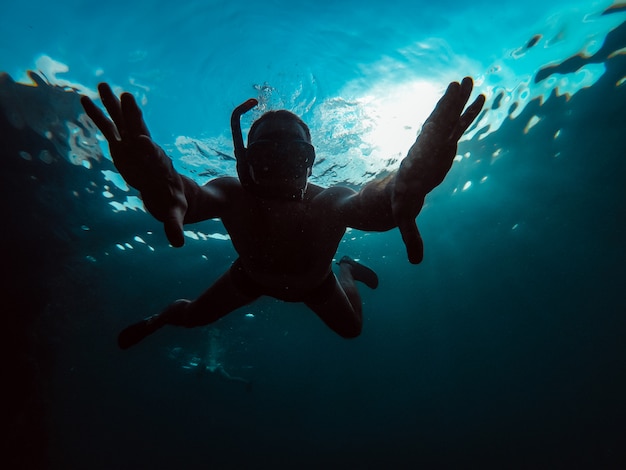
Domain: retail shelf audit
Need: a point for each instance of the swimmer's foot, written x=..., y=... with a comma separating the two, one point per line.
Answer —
x=361, y=272
x=135, y=333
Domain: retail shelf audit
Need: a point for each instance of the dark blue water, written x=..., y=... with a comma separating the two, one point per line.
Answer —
x=503, y=349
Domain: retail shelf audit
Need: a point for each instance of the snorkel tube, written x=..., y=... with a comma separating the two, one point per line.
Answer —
x=240, y=150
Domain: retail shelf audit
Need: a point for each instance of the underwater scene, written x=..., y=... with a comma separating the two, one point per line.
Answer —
x=504, y=348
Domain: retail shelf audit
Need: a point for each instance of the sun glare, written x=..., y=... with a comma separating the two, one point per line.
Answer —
x=399, y=113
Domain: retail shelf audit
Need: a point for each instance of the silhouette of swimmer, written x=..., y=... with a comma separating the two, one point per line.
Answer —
x=285, y=230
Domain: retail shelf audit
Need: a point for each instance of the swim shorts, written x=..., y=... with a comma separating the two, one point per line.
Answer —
x=250, y=287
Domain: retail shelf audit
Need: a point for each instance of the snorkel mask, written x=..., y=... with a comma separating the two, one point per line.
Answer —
x=277, y=169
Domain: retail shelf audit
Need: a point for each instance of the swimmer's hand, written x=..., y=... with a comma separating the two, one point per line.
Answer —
x=429, y=160
x=142, y=163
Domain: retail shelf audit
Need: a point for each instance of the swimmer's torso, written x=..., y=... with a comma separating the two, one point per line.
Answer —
x=283, y=243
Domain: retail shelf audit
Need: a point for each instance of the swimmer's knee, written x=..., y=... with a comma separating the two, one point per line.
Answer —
x=350, y=332
x=339, y=316
x=350, y=335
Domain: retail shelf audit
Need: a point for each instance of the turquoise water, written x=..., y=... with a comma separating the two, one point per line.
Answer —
x=503, y=349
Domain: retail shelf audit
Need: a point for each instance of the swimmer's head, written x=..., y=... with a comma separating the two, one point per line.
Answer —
x=279, y=157
x=280, y=124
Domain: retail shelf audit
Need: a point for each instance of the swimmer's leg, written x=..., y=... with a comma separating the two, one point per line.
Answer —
x=217, y=301
x=340, y=306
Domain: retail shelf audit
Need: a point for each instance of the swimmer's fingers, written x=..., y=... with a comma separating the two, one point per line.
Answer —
x=470, y=114
x=126, y=120
x=459, y=98
x=101, y=121
x=113, y=107
x=133, y=117
x=448, y=114
x=448, y=108
x=467, y=84
x=462, y=120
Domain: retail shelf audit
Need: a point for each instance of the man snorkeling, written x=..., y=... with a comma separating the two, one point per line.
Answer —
x=285, y=230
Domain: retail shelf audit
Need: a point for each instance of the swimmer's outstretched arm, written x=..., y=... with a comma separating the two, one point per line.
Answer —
x=144, y=165
x=429, y=160
x=397, y=199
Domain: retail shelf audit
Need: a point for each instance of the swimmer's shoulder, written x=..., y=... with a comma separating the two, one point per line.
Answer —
x=227, y=186
x=328, y=195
